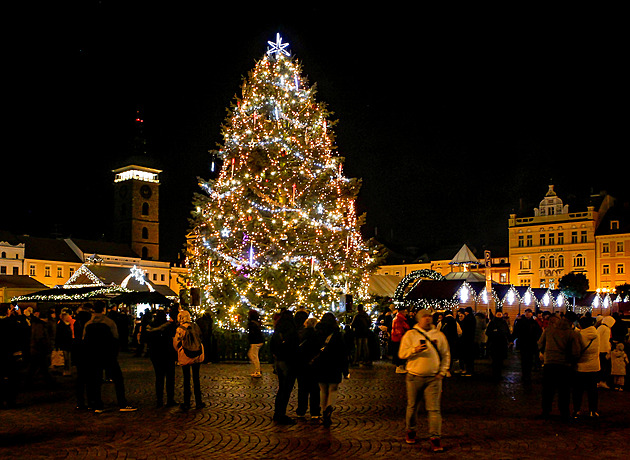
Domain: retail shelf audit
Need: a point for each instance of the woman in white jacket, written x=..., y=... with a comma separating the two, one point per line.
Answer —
x=428, y=358
x=587, y=370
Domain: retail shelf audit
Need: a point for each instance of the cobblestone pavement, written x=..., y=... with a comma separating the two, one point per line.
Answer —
x=481, y=420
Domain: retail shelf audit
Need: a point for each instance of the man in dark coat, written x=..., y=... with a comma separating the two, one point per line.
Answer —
x=468, y=323
x=361, y=328
x=498, y=333
x=527, y=332
x=100, y=339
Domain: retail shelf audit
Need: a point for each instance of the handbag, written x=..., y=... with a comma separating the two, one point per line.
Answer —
x=57, y=359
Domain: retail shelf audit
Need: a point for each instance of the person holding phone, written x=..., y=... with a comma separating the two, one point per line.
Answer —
x=428, y=358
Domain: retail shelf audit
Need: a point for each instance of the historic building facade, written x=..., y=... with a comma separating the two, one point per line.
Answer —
x=552, y=243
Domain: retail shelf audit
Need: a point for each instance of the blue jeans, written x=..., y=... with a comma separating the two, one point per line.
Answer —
x=431, y=388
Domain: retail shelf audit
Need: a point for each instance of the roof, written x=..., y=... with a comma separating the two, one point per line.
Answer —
x=118, y=276
x=48, y=249
x=466, y=276
x=104, y=248
x=430, y=289
x=383, y=285
x=20, y=281
x=464, y=256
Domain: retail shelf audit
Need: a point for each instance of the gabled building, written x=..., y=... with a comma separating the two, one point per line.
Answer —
x=552, y=243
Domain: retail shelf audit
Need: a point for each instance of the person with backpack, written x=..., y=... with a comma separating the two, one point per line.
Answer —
x=330, y=364
x=190, y=355
x=100, y=342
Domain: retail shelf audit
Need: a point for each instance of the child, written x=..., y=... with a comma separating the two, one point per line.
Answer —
x=619, y=360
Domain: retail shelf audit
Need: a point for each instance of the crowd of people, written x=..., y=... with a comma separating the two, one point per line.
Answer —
x=578, y=355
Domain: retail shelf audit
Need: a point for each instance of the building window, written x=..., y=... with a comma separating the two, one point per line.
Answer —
x=560, y=238
x=59, y=272
x=521, y=241
x=552, y=239
x=145, y=233
x=560, y=261
x=4, y=255
x=31, y=270
x=47, y=271
x=16, y=271
x=579, y=261
x=145, y=209
x=543, y=262
x=620, y=269
x=552, y=262
x=605, y=248
x=162, y=277
x=529, y=241
x=619, y=246
x=542, y=239
x=605, y=269
x=3, y=270
x=71, y=270
x=614, y=225
x=583, y=237
x=574, y=239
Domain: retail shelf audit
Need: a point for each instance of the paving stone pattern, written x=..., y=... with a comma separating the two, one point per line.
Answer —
x=482, y=419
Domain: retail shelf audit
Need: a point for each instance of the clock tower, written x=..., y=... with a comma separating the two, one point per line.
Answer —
x=136, y=209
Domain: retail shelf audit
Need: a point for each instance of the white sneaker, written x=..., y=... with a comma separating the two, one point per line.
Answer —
x=603, y=385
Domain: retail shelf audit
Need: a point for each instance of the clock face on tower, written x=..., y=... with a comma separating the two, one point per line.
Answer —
x=146, y=191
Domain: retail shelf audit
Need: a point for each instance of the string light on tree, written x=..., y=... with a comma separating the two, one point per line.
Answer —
x=278, y=226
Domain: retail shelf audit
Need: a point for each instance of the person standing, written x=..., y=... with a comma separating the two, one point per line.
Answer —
x=64, y=338
x=587, y=369
x=428, y=356
x=188, y=343
x=308, y=388
x=527, y=332
x=361, y=328
x=467, y=346
x=498, y=333
x=604, y=333
x=284, y=345
x=160, y=333
x=10, y=357
x=560, y=348
x=399, y=327
x=452, y=331
x=256, y=341
x=81, y=360
x=618, y=364
x=100, y=340
x=41, y=349
x=331, y=364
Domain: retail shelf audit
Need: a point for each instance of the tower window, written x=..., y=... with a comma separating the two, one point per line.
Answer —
x=145, y=209
x=145, y=233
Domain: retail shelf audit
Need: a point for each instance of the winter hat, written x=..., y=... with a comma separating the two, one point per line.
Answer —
x=619, y=346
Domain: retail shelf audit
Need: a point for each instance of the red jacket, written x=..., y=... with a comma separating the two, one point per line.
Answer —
x=399, y=327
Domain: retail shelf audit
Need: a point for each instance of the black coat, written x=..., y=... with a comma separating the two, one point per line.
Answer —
x=332, y=362
x=498, y=333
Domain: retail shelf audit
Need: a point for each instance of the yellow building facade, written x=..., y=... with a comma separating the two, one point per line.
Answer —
x=551, y=244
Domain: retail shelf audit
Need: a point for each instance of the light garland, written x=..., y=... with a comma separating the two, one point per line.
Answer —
x=278, y=227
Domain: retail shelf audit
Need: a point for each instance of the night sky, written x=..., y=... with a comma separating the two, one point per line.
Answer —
x=451, y=118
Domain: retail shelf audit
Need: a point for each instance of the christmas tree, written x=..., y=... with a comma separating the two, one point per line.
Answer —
x=278, y=227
